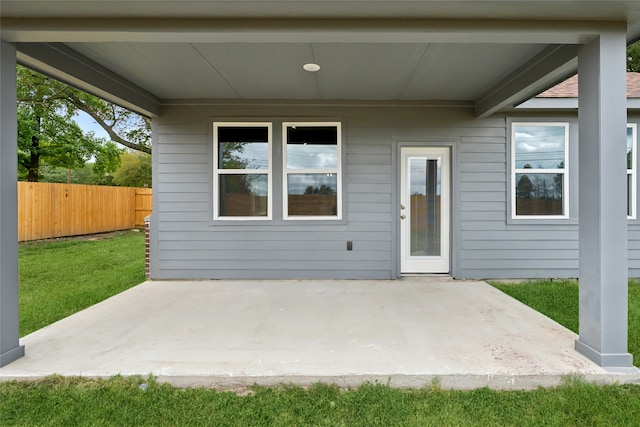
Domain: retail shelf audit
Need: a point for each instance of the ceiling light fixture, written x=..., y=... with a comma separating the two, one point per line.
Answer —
x=311, y=67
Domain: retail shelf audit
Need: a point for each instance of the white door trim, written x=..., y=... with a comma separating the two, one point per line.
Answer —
x=425, y=264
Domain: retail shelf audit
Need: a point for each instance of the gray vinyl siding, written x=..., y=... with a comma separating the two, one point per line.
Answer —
x=491, y=244
x=494, y=246
x=191, y=244
x=188, y=244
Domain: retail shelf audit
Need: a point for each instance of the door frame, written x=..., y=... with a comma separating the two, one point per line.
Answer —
x=399, y=238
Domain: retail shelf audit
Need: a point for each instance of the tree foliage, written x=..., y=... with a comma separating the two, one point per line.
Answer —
x=135, y=170
x=323, y=189
x=123, y=126
x=48, y=134
x=633, y=58
x=83, y=175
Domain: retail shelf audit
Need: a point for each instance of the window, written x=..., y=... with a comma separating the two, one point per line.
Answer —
x=539, y=178
x=242, y=170
x=632, y=131
x=312, y=164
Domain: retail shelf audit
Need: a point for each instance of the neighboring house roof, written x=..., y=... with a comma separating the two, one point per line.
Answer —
x=565, y=95
x=569, y=88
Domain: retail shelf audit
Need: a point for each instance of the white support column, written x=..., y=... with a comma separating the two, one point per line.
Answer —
x=603, y=201
x=10, y=348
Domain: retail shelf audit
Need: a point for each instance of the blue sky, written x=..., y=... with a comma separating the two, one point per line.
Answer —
x=88, y=124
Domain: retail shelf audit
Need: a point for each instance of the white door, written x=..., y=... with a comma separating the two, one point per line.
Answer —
x=424, y=209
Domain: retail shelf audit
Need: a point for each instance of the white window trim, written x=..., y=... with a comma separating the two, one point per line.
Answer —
x=217, y=172
x=286, y=172
x=565, y=171
x=632, y=171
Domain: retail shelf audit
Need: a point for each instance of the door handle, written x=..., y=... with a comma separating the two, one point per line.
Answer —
x=402, y=217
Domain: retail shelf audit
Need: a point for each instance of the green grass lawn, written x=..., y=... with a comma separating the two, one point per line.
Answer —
x=558, y=300
x=120, y=402
x=60, y=277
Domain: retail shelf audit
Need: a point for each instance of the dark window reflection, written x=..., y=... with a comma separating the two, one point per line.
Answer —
x=312, y=194
x=629, y=194
x=243, y=134
x=243, y=195
x=539, y=194
x=327, y=135
x=629, y=148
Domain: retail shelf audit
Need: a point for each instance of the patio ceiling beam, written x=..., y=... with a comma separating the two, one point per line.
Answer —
x=304, y=30
x=75, y=69
x=554, y=64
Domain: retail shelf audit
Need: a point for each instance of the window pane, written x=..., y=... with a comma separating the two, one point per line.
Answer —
x=313, y=194
x=312, y=147
x=539, y=194
x=243, y=195
x=629, y=195
x=539, y=147
x=243, y=148
x=629, y=148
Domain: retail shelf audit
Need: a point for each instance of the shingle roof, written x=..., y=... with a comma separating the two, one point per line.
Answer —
x=569, y=88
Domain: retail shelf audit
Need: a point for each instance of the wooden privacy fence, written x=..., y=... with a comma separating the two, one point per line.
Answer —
x=47, y=210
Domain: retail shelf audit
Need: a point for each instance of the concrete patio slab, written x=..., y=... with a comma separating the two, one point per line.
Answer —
x=230, y=334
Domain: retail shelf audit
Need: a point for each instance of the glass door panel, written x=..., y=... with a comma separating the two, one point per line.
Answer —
x=424, y=202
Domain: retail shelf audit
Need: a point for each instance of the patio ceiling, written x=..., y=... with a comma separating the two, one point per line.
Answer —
x=403, y=71
x=375, y=50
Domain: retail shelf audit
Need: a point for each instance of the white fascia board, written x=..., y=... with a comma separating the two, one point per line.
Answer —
x=549, y=104
x=75, y=69
x=22, y=30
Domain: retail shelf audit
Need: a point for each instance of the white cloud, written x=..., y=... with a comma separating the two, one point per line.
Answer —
x=523, y=135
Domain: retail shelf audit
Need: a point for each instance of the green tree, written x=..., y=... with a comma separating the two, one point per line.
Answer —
x=123, y=126
x=134, y=170
x=524, y=188
x=51, y=174
x=633, y=58
x=231, y=157
x=323, y=189
x=48, y=134
x=84, y=175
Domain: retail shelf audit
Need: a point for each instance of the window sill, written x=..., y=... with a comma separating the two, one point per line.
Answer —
x=312, y=218
x=280, y=222
x=542, y=220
